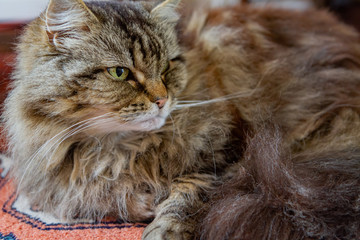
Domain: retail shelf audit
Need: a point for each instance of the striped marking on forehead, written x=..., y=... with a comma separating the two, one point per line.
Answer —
x=148, y=46
x=142, y=34
x=134, y=33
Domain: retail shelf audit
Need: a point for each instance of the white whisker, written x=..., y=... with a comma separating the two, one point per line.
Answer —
x=190, y=101
x=77, y=125
x=45, y=149
x=74, y=132
x=173, y=126
x=195, y=103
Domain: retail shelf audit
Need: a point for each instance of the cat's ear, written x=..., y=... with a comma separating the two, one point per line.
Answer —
x=166, y=11
x=67, y=19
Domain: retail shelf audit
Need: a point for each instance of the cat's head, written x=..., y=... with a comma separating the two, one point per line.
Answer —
x=118, y=61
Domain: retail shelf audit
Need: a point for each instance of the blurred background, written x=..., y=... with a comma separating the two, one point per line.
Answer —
x=20, y=10
x=14, y=14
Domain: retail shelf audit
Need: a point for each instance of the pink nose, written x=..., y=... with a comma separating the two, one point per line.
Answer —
x=161, y=102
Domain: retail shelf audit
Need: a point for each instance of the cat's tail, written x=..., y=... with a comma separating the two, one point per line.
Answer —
x=276, y=195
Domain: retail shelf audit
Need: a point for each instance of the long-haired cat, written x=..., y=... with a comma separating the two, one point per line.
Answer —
x=226, y=123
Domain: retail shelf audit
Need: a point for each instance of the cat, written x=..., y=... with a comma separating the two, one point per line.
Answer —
x=213, y=123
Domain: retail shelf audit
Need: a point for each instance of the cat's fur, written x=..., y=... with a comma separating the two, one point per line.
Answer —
x=283, y=131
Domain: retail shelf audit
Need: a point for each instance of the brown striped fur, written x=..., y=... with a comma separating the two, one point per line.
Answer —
x=274, y=156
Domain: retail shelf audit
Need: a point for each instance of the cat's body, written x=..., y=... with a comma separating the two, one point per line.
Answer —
x=157, y=154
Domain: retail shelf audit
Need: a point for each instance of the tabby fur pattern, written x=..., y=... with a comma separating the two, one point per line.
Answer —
x=242, y=122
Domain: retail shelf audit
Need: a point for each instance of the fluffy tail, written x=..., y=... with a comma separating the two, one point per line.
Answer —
x=276, y=195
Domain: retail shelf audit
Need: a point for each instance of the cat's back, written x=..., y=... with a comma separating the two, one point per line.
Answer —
x=291, y=65
x=254, y=25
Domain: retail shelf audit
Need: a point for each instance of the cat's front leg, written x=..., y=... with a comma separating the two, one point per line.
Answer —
x=177, y=217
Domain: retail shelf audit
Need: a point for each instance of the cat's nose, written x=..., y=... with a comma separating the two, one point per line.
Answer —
x=161, y=102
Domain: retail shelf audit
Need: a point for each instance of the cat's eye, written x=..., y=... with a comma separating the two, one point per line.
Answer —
x=119, y=73
x=166, y=68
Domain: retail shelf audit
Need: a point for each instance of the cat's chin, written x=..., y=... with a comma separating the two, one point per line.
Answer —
x=142, y=126
x=151, y=124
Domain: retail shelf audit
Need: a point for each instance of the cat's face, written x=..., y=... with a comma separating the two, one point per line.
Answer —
x=115, y=61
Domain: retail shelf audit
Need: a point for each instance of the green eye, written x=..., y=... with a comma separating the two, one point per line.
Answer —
x=119, y=73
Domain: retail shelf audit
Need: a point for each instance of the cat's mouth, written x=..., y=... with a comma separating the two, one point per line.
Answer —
x=107, y=121
x=146, y=123
x=111, y=124
x=153, y=120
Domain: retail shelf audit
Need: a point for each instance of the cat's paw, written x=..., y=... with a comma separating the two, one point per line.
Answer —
x=168, y=228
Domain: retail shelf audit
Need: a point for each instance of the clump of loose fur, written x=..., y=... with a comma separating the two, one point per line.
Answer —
x=154, y=143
